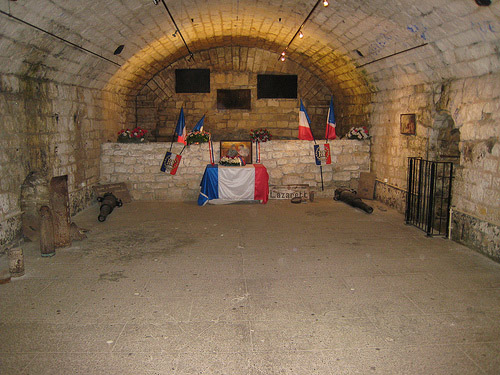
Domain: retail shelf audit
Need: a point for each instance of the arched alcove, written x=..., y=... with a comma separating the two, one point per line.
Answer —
x=445, y=139
x=157, y=104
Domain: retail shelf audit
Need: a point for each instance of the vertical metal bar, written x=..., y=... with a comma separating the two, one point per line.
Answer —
x=449, y=199
x=423, y=202
x=442, y=176
x=419, y=191
x=430, y=213
x=416, y=169
x=412, y=191
x=425, y=197
x=409, y=194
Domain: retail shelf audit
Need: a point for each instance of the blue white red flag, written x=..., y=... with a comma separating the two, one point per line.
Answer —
x=330, y=123
x=304, y=124
x=232, y=184
x=170, y=163
x=180, y=129
x=322, y=154
x=199, y=125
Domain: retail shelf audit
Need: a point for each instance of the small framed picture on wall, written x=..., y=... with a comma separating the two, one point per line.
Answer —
x=408, y=124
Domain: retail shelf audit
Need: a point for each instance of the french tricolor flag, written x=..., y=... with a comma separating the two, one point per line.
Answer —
x=229, y=184
x=180, y=129
x=199, y=125
x=330, y=123
x=304, y=124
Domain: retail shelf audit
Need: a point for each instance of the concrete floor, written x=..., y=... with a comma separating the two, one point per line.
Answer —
x=317, y=288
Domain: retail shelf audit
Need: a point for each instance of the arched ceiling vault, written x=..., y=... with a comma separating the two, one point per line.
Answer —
x=338, y=39
x=245, y=24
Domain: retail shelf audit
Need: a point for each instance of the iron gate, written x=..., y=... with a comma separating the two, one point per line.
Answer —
x=429, y=195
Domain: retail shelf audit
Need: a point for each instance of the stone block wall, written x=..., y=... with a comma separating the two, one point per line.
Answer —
x=51, y=129
x=158, y=105
x=467, y=108
x=476, y=233
x=391, y=195
x=287, y=162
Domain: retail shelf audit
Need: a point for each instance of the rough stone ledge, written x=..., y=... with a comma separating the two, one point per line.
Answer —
x=477, y=234
x=287, y=161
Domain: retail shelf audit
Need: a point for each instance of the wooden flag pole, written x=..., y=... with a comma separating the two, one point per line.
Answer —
x=321, y=166
x=321, y=171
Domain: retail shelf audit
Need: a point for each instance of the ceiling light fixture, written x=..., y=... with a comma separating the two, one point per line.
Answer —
x=119, y=50
x=299, y=32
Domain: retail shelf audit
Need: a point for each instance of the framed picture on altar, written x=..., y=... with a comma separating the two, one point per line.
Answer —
x=237, y=148
x=408, y=124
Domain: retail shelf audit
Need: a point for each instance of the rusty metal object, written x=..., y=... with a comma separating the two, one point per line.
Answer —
x=34, y=194
x=349, y=196
x=47, y=246
x=4, y=269
x=77, y=233
x=118, y=189
x=108, y=203
x=16, y=262
x=59, y=203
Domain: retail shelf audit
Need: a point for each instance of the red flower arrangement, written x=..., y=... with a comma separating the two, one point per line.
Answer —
x=260, y=135
x=136, y=135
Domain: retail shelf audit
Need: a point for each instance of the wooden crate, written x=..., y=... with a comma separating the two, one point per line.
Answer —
x=366, y=186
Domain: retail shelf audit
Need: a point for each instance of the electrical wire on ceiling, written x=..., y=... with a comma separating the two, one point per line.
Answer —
x=299, y=31
x=177, y=30
x=74, y=45
x=391, y=55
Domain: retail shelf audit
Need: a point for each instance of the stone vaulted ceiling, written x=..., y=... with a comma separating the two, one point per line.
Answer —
x=338, y=40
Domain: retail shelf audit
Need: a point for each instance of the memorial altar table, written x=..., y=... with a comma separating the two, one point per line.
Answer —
x=222, y=184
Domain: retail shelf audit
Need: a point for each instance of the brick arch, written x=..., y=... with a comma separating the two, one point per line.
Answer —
x=334, y=68
x=157, y=104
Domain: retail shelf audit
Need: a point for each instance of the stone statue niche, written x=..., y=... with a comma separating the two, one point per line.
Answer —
x=445, y=139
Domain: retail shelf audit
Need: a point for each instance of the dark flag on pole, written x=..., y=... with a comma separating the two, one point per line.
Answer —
x=180, y=129
x=330, y=123
x=199, y=125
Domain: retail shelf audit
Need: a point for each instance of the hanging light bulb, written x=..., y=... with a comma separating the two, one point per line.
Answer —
x=301, y=34
x=282, y=58
x=283, y=53
x=325, y=3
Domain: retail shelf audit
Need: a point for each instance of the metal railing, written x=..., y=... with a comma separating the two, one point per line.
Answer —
x=428, y=199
